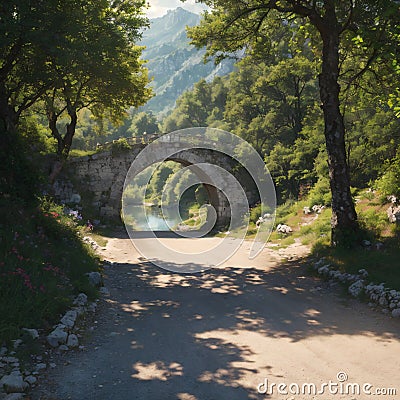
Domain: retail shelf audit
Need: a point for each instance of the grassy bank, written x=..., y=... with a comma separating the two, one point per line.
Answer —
x=379, y=254
x=42, y=265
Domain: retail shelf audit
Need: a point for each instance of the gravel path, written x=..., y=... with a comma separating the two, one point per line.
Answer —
x=220, y=333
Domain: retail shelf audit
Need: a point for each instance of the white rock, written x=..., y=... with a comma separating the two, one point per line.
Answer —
x=282, y=228
x=324, y=270
x=383, y=301
x=63, y=347
x=10, y=360
x=13, y=383
x=30, y=380
x=72, y=341
x=356, y=288
x=14, y=396
x=40, y=367
x=317, y=208
x=319, y=263
x=32, y=332
x=95, y=279
x=393, y=305
x=17, y=343
x=396, y=313
x=104, y=291
x=363, y=272
x=392, y=198
x=57, y=337
x=81, y=299
x=69, y=318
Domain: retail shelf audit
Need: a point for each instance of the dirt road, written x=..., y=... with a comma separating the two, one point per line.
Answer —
x=226, y=334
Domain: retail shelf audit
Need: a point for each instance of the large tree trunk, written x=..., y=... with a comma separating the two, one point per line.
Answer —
x=344, y=217
x=8, y=116
x=70, y=130
x=63, y=142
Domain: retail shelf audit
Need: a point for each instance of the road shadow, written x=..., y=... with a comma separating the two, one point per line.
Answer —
x=163, y=335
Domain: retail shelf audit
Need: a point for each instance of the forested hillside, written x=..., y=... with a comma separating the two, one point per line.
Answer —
x=275, y=106
x=174, y=64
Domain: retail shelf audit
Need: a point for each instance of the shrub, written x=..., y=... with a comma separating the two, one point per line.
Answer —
x=389, y=183
x=120, y=145
x=320, y=193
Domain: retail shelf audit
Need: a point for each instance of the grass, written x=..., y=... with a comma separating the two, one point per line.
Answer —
x=98, y=238
x=43, y=265
x=81, y=153
x=382, y=264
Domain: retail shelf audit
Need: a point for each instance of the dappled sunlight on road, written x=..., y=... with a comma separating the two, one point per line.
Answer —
x=219, y=333
x=156, y=370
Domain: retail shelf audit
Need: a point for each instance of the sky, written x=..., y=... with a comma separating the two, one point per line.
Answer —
x=160, y=7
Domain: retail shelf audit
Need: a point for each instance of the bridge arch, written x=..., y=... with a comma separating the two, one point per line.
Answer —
x=100, y=178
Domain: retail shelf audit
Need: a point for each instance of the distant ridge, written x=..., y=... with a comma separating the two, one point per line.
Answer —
x=174, y=64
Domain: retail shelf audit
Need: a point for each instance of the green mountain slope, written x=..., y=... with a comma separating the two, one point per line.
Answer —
x=173, y=63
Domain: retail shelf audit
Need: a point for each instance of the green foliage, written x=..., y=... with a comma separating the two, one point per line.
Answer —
x=318, y=232
x=159, y=178
x=201, y=195
x=382, y=265
x=389, y=183
x=199, y=107
x=373, y=222
x=120, y=146
x=63, y=56
x=43, y=265
x=143, y=123
x=284, y=211
x=320, y=194
x=255, y=213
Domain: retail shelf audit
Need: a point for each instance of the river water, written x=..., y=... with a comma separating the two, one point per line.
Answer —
x=152, y=218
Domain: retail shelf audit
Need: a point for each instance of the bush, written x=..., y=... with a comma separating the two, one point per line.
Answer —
x=321, y=193
x=120, y=145
x=389, y=183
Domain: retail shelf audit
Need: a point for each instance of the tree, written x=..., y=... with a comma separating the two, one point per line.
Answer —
x=143, y=122
x=70, y=54
x=268, y=103
x=25, y=33
x=29, y=30
x=338, y=26
x=99, y=68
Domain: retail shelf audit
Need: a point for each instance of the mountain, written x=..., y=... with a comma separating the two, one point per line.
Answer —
x=174, y=64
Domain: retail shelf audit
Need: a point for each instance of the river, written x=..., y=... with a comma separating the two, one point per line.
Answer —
x=152, y=218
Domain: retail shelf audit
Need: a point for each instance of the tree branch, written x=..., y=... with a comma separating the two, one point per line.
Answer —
x=349, y=19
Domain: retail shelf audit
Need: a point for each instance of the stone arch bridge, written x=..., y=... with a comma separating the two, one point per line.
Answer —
x=98, y=179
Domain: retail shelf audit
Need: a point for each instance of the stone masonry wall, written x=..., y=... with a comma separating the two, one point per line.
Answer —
x=100, y=178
